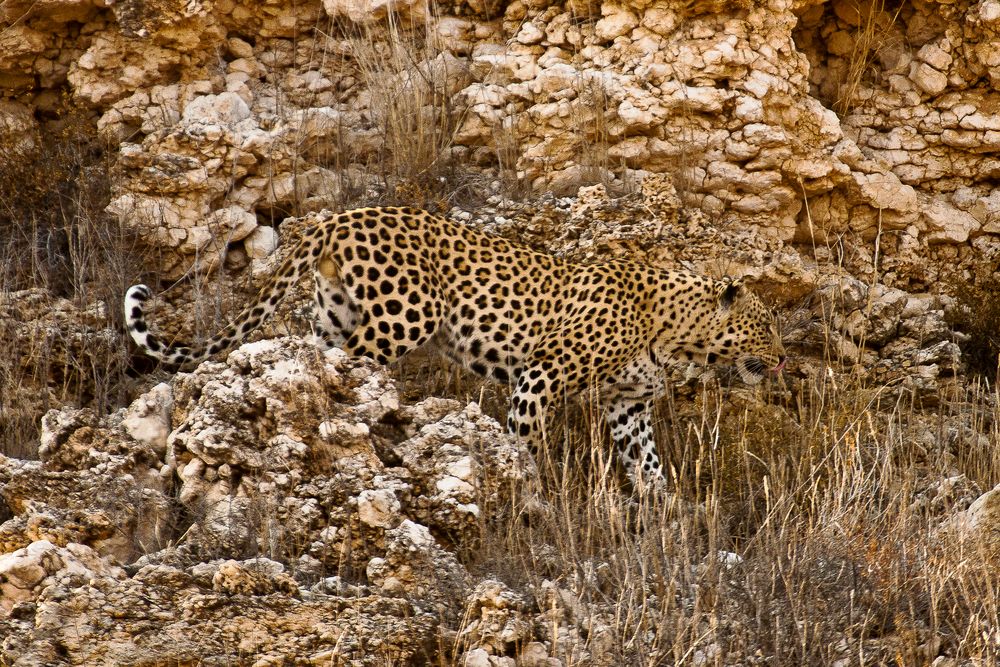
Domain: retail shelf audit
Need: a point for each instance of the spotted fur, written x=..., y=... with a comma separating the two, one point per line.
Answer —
x=389, y=280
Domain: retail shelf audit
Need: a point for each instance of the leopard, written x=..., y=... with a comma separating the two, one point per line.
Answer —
x=389, y=280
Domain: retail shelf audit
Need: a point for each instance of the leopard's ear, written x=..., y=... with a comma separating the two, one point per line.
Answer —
x=728, y=291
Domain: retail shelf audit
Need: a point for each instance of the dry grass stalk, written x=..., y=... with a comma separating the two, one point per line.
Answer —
x=875, y=25
x=57, y=241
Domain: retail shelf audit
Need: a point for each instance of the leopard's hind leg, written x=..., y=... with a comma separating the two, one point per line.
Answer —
x=396, y=311
x=336, y=314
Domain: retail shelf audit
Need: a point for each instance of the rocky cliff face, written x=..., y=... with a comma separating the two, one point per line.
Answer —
x=280, y=454
x=811, y=120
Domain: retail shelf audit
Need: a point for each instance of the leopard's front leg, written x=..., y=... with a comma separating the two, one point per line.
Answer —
x=631, y=426
x=529, y=404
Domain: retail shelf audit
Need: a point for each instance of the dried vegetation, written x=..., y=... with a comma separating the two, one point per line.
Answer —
x=62, y=261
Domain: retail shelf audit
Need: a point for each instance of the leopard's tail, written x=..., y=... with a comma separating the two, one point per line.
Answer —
x=270, y=295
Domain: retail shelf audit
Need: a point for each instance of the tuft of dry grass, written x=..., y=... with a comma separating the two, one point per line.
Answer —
x=977, y=314
x=64, y=263
x=406, y=88
x=591, y=114
x=875, y=25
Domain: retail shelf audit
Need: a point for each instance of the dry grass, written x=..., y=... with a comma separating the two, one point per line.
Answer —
x=592, y=111
x=405, y=87
x=806, y=523
x=977, y=314
x=824, y=496
x=389, y=135
x=873, y=32
x=56, y=242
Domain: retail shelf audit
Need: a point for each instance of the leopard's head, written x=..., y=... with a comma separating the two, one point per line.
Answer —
x=747, y=332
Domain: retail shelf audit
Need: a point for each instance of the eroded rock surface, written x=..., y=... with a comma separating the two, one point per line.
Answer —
x=280, y=452
x=810, y=121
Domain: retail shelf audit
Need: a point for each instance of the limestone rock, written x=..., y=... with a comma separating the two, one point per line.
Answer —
x=928, y=327
x=876, y=322
x=928, y=79
x=935, y=56
x=25, y=572
x=530, y=34
x=226, y=109
x=884, y=191
x=309, y=457
x=986, y=211
x=414, y=564
x=981, y=523
x=379, y=507
x=371, y=11
x=496, y=618
x=258, y=576
x=615, y=22
x=261, y=242
x=175, y=614
x=148, y=418
x=288, y=386
x=842, y=294
x=946, y=224
x=207, y=119
x=108, y=492
x=17, y=127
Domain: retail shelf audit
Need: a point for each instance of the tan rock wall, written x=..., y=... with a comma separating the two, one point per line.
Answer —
x=227, y=115
x=375, y=500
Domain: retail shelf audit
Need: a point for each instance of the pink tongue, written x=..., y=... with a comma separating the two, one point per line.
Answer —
x=777, y=369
